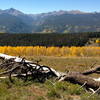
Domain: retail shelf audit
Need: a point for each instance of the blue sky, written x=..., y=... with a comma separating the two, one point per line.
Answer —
x=41, y=6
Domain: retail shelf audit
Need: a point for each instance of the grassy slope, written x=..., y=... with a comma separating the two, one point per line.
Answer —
x=48, y=91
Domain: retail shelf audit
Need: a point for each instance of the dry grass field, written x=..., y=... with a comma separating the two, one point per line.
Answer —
x=47, y=91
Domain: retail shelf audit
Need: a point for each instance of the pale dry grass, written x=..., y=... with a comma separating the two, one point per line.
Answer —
x=61, y=91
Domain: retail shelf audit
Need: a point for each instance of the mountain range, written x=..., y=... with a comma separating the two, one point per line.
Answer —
x=15, y=21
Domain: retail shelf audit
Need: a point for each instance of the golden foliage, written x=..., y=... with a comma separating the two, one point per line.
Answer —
x=98, y=41
x=51, y=51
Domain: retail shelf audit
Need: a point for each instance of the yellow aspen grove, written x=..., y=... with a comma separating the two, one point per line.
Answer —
x=51, y=51
x=98, y=41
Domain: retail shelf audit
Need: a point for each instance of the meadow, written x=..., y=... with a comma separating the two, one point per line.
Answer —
x=51, y=89
x=59, y=58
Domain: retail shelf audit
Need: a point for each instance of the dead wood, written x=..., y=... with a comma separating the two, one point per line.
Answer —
x=93, y=70
x=78, y=78
x=8, y=71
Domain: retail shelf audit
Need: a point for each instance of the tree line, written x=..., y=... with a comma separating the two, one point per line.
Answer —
x=53, y=39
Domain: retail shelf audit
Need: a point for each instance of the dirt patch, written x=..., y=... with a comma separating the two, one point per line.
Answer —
x=37, y=91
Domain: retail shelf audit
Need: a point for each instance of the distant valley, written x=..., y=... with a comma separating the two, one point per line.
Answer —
x=14, y=21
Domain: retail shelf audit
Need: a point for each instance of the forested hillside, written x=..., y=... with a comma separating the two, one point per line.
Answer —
x=77, y=39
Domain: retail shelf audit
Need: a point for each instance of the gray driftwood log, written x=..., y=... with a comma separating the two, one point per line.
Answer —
x=96, y=70
x=78, y=78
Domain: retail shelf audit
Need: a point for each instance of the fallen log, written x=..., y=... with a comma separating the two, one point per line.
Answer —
x=96, y=69
x=19, y=60
x=23, y=66
x=77, y=78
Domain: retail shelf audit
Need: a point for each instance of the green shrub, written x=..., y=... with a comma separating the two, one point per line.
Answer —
x=75, y=89
x=53, y=93
x=40, y=98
